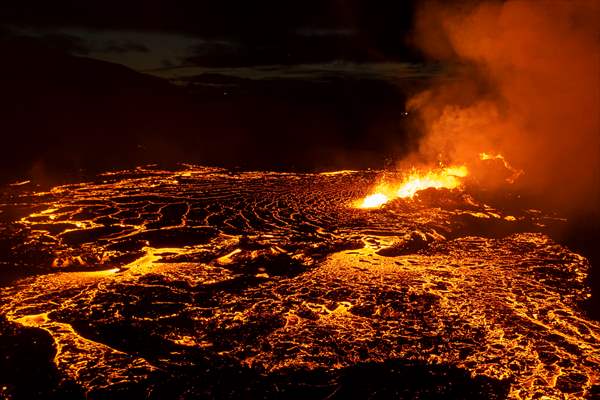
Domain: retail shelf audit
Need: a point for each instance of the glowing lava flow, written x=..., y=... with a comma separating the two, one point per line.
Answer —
x=158, y=284
x=449, y=178
x=374, y=200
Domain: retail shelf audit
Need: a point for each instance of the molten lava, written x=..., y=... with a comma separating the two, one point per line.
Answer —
x=374, y=200
x=142, y=279
x=448, y=177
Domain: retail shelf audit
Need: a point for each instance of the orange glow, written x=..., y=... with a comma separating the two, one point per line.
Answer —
x=374, y=200
x=448, y=178
x=530, y=90
x=486, y=156
x=516, y=173
x=260, y=247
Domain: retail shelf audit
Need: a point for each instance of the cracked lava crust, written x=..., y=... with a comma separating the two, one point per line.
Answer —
x=204, y=283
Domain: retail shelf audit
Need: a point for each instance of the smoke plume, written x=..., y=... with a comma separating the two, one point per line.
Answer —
x=526, y=85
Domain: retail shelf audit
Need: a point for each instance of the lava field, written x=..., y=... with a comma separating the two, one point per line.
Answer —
x=209, y=283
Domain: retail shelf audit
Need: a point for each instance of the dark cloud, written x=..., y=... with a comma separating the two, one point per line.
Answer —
x=223, y=17
x=113, y=46
x=64, y=42
x=69, y=43
x=57, y=42
x=236, y=32
x=291, y=49
x=323, y=32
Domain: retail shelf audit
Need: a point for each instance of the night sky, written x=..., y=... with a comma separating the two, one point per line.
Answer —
x=153, y=35
x=98, y=85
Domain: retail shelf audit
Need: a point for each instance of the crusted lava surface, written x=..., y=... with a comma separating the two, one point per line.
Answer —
x=207, y=283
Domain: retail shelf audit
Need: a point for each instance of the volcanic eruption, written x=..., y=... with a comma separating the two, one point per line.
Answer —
x=442, y=276
x=525, y=85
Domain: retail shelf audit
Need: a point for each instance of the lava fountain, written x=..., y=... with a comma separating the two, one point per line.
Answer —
x=416, y=180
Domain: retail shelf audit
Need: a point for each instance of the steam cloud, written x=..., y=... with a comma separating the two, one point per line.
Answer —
x=527, y=85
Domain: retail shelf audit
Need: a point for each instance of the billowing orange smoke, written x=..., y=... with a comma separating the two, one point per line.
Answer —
x=526, y=84
x=449, y=178
x=516, y=173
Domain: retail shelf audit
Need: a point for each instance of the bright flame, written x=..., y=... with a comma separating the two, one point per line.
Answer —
x=374, y=200
x=486, y=156
x=449, y=178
